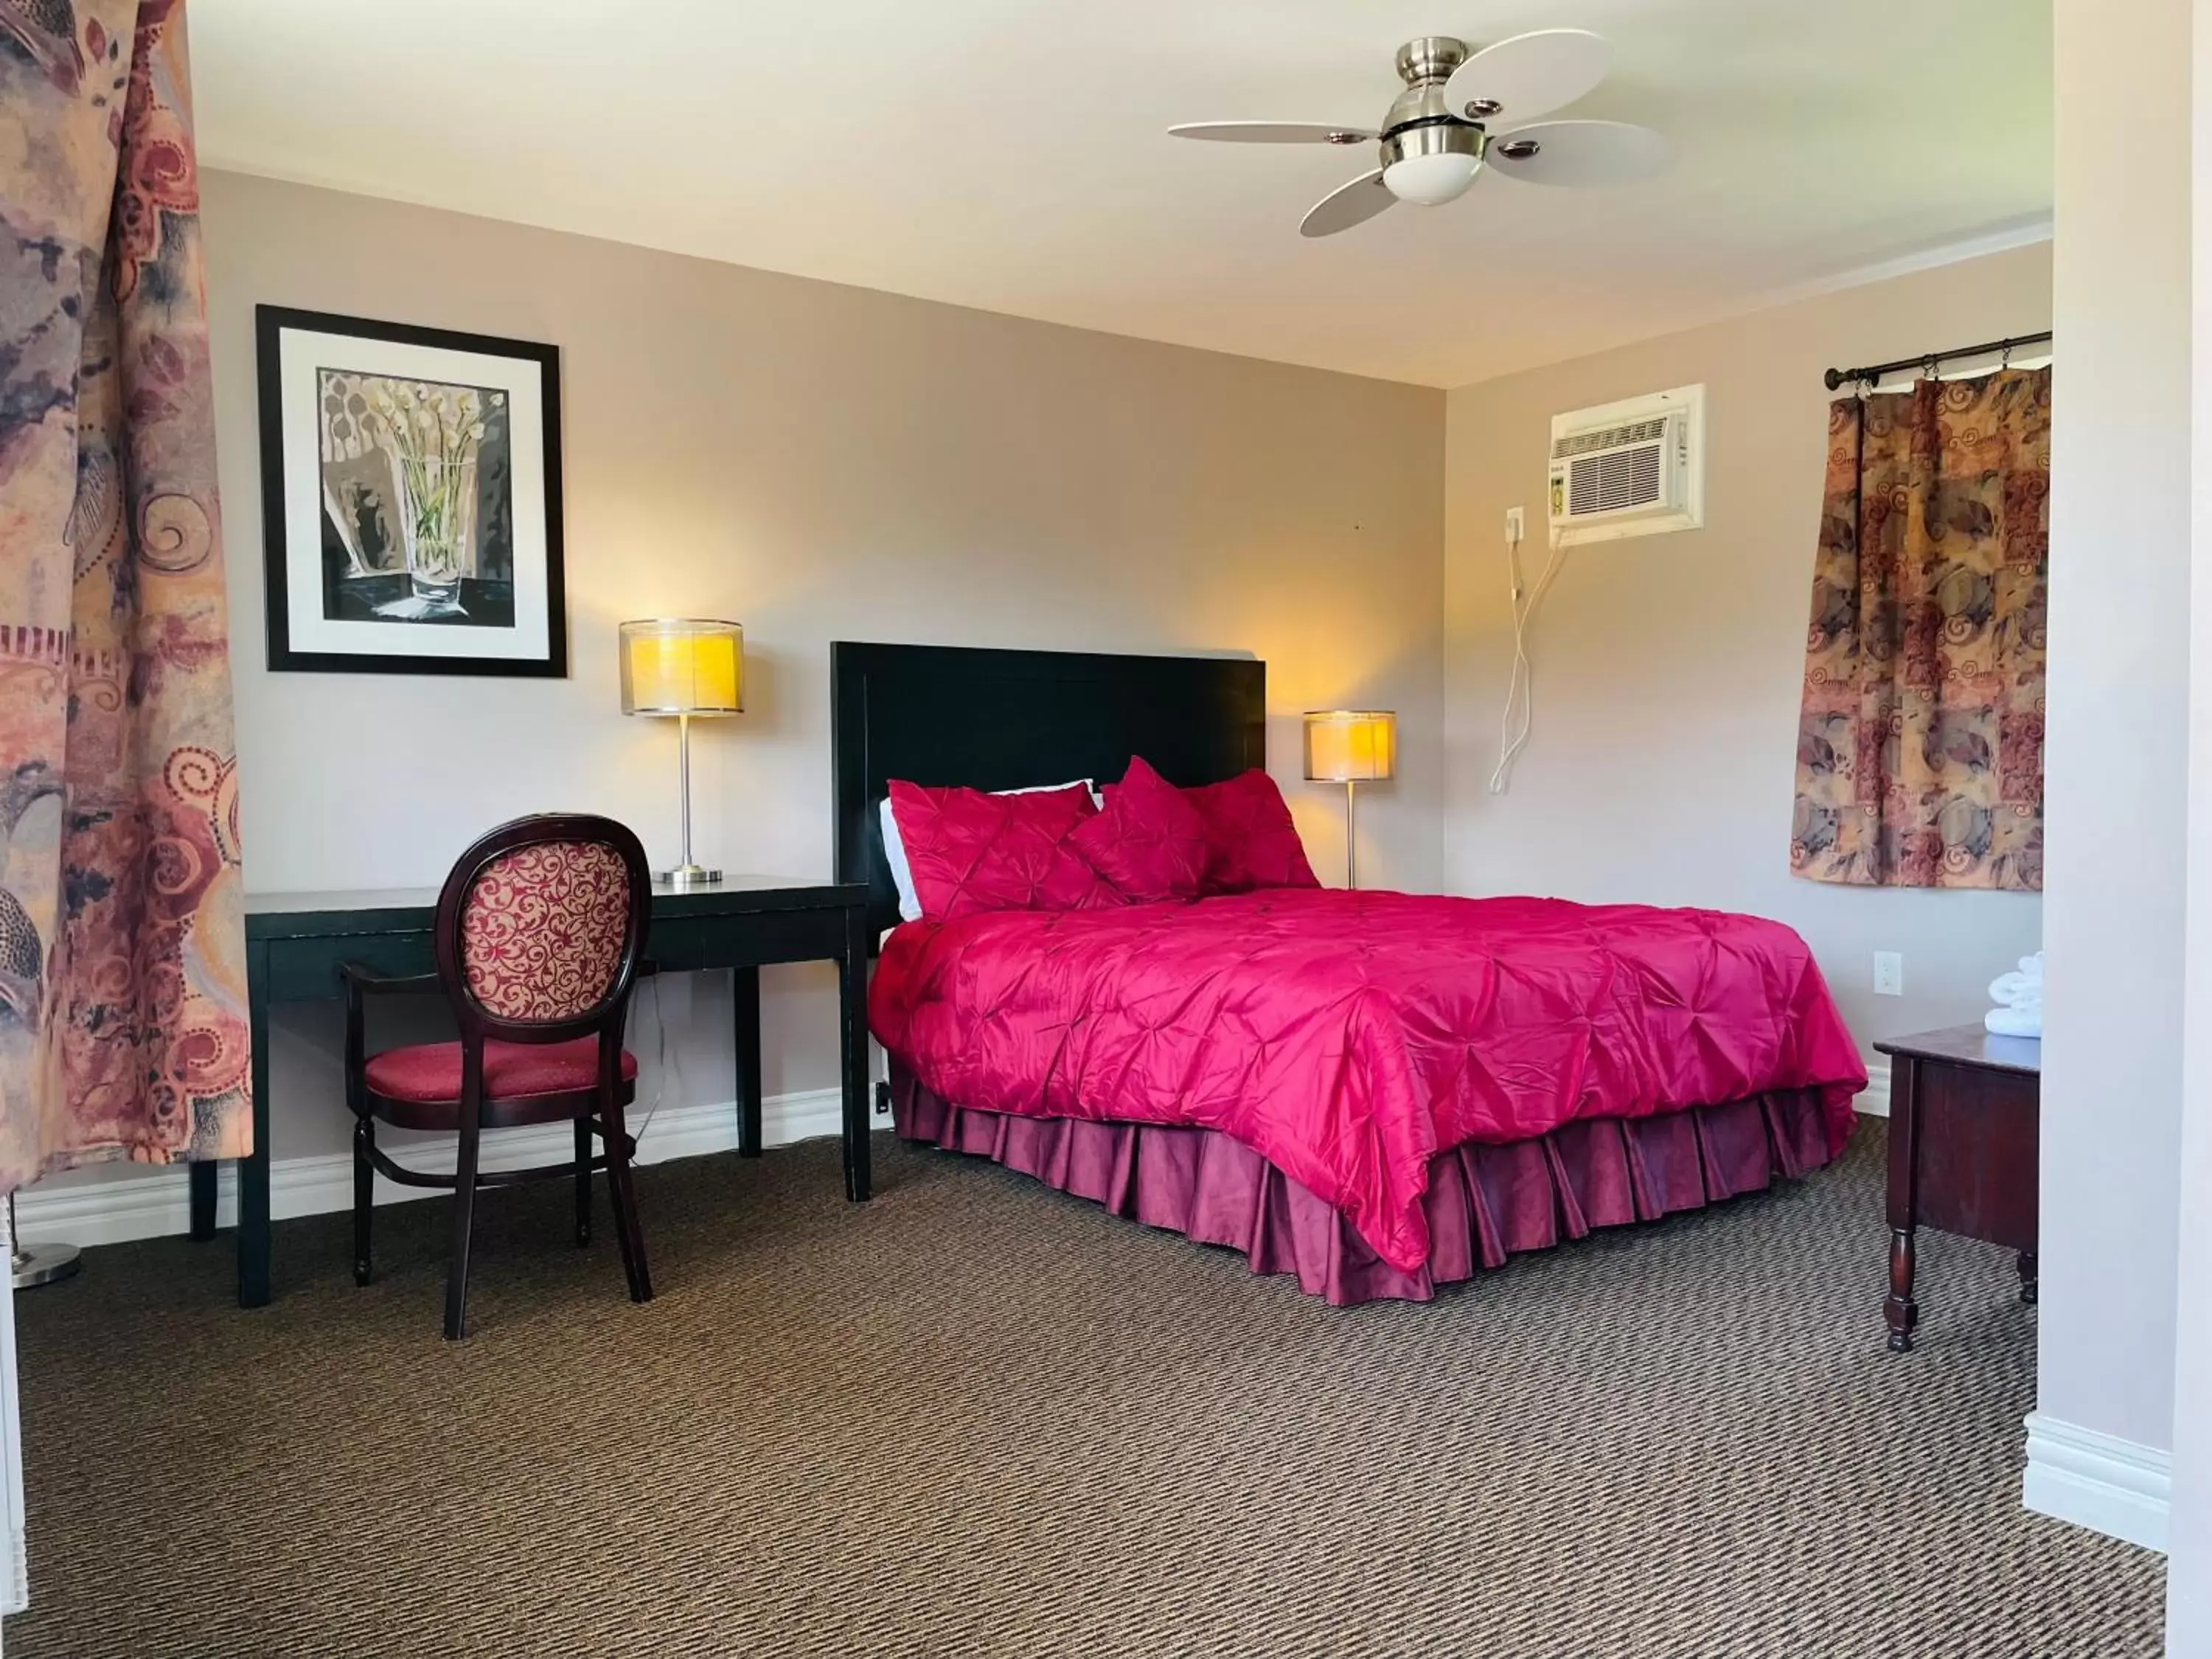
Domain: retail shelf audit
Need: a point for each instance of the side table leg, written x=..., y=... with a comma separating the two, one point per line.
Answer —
x=1902, y=1312
x=2028, y=1277
x=1899, y=1310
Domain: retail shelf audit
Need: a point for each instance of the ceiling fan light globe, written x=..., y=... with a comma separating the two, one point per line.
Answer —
x=1432, y=179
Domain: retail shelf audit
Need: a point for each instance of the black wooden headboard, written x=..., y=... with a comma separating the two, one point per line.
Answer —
x=1004, y=720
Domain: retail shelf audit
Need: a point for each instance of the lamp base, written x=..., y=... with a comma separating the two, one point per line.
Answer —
x=42, y=1264
x=688, y=875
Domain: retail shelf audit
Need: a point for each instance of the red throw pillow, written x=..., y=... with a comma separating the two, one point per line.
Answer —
x=1148, y=841
x=970, y=852
x=1249, y=838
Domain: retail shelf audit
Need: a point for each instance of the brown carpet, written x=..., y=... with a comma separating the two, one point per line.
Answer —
x=978, y=1417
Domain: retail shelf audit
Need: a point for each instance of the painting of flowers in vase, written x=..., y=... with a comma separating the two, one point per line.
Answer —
x=410, y=479
x=416, y=477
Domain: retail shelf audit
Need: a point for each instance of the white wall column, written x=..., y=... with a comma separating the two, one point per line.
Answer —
x=2189, y=1566
x=2117, y=795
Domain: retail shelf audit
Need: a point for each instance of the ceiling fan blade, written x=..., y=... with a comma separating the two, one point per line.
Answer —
x=1348, y=205
x=1273, y=132
x=1579, y=153
x=1529, y=75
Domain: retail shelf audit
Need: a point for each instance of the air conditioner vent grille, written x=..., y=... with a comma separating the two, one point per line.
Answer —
x=1611, y=437
x=1615, y=479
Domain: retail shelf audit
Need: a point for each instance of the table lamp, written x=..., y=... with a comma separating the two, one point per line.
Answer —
x=1351, y=746
x=684, y=666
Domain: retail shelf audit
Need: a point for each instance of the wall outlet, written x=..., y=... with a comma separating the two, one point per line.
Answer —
x=1888, y=974
x=1515, y=524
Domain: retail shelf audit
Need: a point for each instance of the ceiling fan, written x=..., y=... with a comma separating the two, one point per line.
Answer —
x=1444, y=129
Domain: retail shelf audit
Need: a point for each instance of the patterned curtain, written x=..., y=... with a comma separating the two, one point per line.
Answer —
x=1920, y=750
x=122, y=981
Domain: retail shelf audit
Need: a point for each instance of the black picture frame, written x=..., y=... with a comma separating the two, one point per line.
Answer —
x=271, y=322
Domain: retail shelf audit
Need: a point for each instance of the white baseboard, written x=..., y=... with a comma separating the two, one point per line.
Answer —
x=2096, y=1480
x=1875, y=1101
x=157, y=1204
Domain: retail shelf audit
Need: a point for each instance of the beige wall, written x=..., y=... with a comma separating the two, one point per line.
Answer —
x=819, y=463
x=1667, y=668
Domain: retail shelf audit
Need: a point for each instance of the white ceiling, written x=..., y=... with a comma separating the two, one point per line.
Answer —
x=1013, y=153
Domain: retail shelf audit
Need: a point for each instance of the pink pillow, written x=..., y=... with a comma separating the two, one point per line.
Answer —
x=971, y=851
x=1249, y=838
x=1148, y=841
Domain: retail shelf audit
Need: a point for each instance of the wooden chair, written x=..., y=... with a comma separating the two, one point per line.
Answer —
x=540, y=933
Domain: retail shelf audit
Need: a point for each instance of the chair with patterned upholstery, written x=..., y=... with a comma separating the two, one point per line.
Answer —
x=540, y=933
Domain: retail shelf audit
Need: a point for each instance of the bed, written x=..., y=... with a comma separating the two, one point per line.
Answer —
x=1376, y=1093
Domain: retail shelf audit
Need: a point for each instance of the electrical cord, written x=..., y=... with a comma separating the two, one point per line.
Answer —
x=660, y=1070
x=1521, y=687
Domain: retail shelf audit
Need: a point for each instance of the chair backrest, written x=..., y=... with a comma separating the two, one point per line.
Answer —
x=541, y=926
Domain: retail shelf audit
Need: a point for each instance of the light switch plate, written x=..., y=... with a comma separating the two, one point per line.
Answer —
x=1888, y=974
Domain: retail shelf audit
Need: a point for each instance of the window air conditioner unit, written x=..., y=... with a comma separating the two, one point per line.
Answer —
x=1630, y=469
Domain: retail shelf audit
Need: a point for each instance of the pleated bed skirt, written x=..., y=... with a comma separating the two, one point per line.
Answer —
x=1484, y=1203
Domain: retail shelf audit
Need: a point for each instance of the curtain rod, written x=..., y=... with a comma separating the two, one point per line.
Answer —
x=1836, y=379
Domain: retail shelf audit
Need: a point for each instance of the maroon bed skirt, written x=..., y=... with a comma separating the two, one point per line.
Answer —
x=1484, y=1203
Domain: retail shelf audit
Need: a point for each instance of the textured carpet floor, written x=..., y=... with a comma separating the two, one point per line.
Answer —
x=979, y=1417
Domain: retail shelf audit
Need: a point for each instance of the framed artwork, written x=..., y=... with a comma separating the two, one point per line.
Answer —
x=410, y=498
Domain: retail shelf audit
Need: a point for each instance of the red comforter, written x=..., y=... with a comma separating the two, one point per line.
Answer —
x=1349, y=1037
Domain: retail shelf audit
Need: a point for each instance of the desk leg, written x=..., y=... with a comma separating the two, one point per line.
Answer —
x=253, y=1170
x=1901, y=1311
x=744, y=1005
x=204, y=1176
x=2028, y=1277
x=852, y=1010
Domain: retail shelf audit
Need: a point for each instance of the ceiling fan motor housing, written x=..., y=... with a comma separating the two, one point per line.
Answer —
x=1431, y=58
x=1425, y=66
x=1429, y=152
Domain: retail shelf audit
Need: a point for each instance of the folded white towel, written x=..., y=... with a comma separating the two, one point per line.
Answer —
x=2019, y=997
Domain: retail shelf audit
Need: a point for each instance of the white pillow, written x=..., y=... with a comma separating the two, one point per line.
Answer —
x=894, y=849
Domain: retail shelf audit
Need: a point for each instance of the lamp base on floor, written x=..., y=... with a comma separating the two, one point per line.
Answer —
x=42, y=1264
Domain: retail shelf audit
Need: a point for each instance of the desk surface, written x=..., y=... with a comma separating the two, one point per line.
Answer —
x=1969, y=1045
x=295, y=915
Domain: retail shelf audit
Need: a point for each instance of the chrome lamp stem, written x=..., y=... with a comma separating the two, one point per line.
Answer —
x=689, y=873
x=1351, y=836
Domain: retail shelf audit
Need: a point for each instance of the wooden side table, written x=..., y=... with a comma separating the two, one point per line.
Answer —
x=1963, y=1115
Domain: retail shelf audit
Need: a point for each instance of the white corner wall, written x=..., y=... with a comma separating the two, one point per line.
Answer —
x=2189, y=1565
x=2117, y=754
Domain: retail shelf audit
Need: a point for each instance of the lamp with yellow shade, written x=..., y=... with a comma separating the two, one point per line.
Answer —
x=1351, y=746
x=691, y=668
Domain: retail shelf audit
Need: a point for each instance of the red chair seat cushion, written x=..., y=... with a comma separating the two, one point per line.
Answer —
x=430, y=1073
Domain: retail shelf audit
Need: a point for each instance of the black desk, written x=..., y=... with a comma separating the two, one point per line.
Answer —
x=295, y=942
